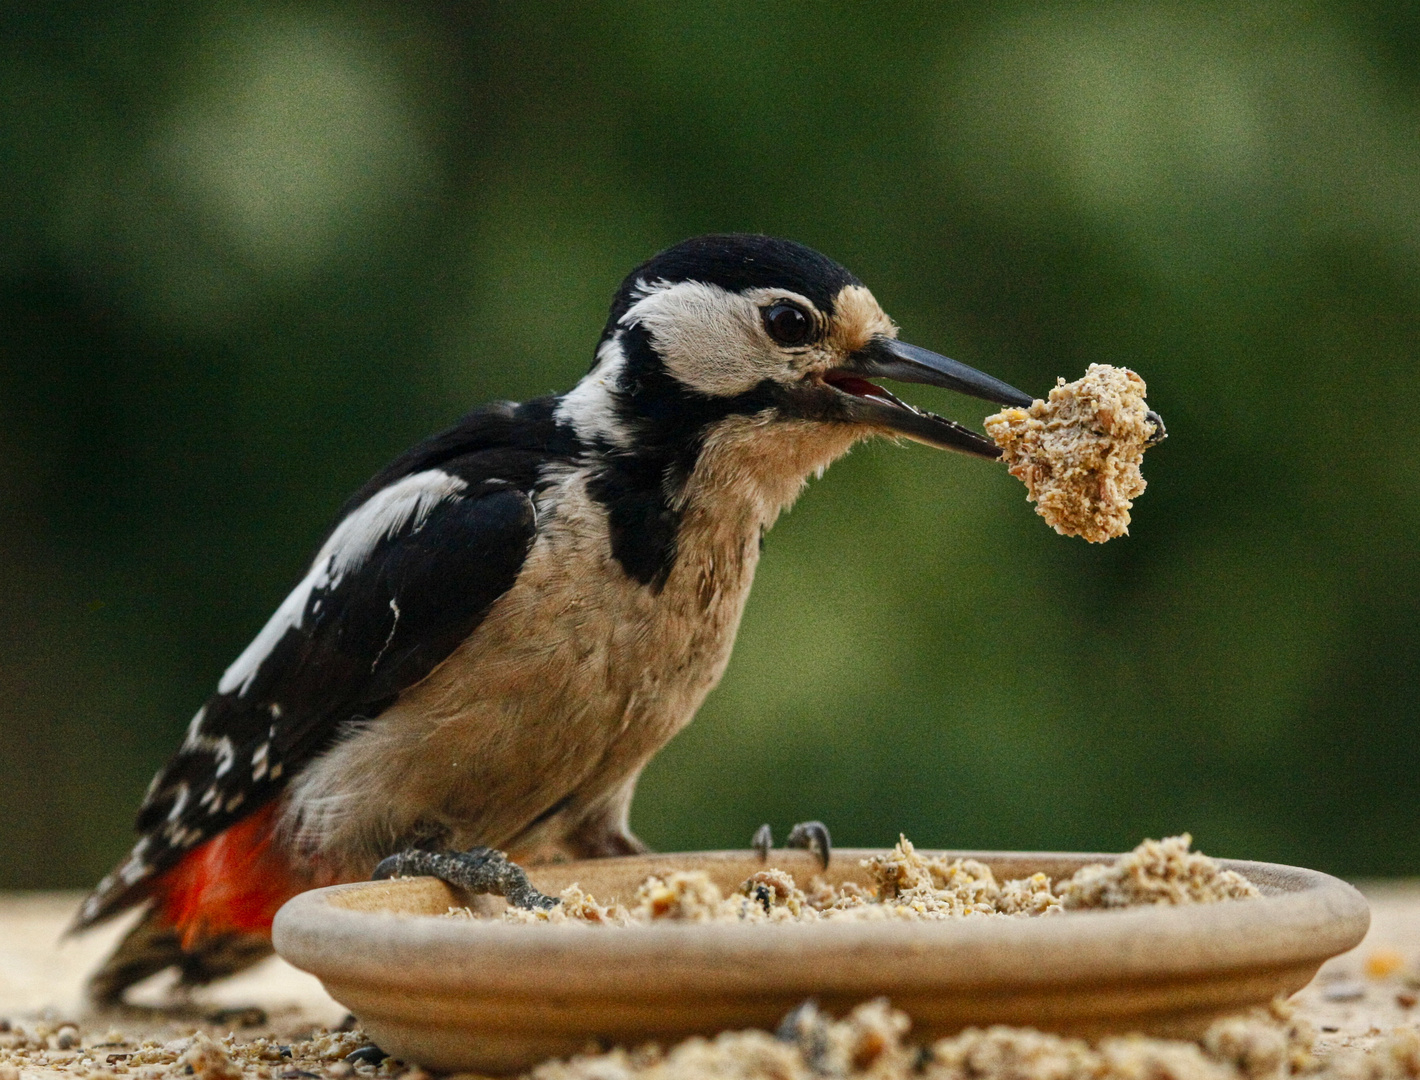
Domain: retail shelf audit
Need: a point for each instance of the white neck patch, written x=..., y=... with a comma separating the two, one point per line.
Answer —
x=590, y=406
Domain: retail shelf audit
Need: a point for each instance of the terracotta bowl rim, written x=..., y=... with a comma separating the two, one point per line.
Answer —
x=1304, y=915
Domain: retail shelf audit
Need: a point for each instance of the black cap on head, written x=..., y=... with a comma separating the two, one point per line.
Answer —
x=739, y=261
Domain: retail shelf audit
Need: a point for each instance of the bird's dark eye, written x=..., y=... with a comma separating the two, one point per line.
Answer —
x=788, y=324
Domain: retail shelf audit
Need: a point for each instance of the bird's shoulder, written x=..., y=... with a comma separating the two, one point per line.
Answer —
x=502, y=440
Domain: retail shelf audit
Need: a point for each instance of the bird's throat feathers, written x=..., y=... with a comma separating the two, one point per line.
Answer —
x=668, y=461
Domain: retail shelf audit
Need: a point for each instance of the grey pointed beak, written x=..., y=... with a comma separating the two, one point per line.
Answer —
x=888, y=358
x=864, y=402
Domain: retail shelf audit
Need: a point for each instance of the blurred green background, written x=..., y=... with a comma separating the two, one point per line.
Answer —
x=250, y=251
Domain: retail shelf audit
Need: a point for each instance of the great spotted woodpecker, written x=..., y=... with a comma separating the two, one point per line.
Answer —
x=503, y=626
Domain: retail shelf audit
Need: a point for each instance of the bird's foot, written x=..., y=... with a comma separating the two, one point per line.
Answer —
x=806, y=835
x=479, y=870
x=812, y=836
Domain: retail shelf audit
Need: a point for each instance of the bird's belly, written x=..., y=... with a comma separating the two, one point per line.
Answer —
x=575, y=678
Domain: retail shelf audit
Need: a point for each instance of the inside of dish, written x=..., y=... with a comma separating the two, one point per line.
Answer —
x=906, y=884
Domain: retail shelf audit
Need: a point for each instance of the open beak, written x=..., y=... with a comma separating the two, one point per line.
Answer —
x=888, y=358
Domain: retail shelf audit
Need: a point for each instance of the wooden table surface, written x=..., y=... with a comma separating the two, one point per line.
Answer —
x=42, y=976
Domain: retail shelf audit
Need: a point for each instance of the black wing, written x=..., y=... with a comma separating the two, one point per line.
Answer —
x=408, y=572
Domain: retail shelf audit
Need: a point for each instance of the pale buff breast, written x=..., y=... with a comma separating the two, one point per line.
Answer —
x=578, y=675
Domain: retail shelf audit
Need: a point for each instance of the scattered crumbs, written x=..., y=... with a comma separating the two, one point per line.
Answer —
x=209, y=1060
x=1079, y=452
x=1345, y=990
x=1383, y=963
x=872, y=1042
x=210, y=1052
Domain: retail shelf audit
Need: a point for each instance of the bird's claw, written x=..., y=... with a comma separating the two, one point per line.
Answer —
x=812, y=836
x=1160, y=433
x=478, y=870
x=763, y=840
x=369, y=1054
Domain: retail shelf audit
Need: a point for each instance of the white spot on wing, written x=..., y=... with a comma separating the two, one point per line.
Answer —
x=133, y=869
x=179, y=803
x=405, y=502
x=194, y=729
x=239, y=676
x=226, y=753
x=390, y=637
x=590, y=406
x=258, y=761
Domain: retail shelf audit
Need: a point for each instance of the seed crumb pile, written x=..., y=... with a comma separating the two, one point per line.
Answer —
x=907, y=884
x=870, y=1043
x=1079, y=452
x=1156, y=872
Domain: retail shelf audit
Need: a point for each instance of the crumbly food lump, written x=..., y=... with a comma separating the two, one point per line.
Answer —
x=1079, y=452
x=908, y=884
x=870, y=1043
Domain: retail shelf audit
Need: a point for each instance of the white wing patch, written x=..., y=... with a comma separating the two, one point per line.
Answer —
x=226, y=753
x=590, y=406
x=239, y=676
x=406, y=502
x=383, y=514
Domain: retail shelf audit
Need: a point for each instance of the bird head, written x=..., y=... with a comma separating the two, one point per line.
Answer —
x=745, y=325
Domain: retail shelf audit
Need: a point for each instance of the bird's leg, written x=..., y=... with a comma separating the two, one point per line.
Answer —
x=806, y=835
x=811, y=836
x=763, y=840
x=479, y=870
x=603, y=829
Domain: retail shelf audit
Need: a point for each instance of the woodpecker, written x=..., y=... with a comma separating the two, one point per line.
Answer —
x=505, y=624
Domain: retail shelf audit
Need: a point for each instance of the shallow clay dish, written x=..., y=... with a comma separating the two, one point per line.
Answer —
x=458, y=994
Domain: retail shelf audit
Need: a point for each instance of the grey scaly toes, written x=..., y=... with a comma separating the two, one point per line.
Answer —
x=479, y=870
x=812, y=836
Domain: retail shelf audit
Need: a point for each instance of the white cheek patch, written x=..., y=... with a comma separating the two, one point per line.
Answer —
x=590, y=406
x=711, y=339
x=407, y=502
